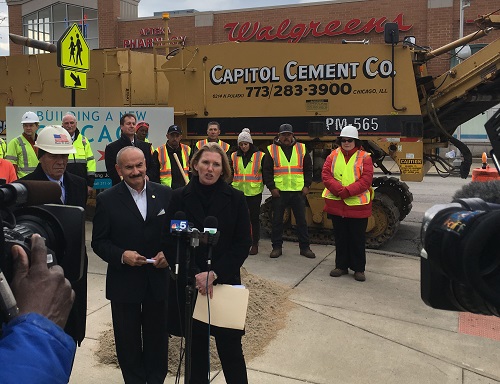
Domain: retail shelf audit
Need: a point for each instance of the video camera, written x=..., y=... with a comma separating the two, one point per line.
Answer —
x=29, y=207
x=460, y=263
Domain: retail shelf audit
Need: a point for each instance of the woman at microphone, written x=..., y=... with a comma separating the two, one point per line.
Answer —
x=207, y=198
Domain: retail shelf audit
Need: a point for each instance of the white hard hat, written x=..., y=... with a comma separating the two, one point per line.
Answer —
x=56, y=140
x=30, y=117
x=349, y=131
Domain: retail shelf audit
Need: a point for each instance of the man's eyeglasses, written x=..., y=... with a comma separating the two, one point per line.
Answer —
x=346, y=140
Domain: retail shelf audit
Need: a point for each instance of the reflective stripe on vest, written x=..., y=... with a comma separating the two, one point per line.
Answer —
x=3, y=148
x=288, y=175
x=348, y=174
x=225, y=146
x=25, y=169
x=165, y=166
x=83, y=155
x=248, y=179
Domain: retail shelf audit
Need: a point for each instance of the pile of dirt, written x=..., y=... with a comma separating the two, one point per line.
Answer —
x=268, y=307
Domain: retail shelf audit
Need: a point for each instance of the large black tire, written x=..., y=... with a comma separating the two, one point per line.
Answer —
x=384, y=211
x=386, y=216
x=266, y=216
x=398, y=191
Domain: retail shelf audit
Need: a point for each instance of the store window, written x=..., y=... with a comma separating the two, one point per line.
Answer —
x=49, y=24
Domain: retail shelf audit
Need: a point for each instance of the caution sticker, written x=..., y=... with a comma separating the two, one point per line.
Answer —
x=410, y=161
x=410, y=166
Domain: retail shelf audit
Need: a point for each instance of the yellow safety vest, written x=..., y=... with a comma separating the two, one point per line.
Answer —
x=21, y=154
x=248, y=179
x=348, y=174
x=83, y=155
x=225, y=146
x=166, y=167
x=288, y=175
x=146, y=140
x=3, y=148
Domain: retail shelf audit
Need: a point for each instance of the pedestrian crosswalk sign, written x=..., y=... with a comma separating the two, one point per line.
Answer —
x=73, y=51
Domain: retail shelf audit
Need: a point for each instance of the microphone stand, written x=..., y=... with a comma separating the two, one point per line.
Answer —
x=189, y=304
x=211, y=242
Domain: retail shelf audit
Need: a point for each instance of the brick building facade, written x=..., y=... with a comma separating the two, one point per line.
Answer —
x=433, y=23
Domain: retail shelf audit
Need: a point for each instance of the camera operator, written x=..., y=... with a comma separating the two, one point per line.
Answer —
x=33, y=346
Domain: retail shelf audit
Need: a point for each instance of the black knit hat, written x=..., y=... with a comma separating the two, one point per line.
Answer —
x=284, y=128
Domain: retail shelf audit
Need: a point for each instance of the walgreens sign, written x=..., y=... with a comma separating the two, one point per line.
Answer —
x=294, y=33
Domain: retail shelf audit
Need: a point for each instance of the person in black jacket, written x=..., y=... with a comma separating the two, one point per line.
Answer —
x=287, y=173
x=127, y=232
x=208, y=194
x=54, y=145
x=127, y=138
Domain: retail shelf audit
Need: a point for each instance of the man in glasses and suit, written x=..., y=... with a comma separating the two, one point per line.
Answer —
x=287, y=173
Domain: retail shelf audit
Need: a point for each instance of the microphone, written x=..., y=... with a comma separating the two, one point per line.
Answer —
x=178, y=226
x=210, y=225
x=489, y=191
x=30, y=192
x=194, y=236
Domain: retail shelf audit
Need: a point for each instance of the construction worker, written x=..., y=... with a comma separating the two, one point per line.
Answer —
x=3, y=148
x=81, y=163
x=7, y=172
x=287, y=173
x=20, y=150
x=247, y=177
x=170, y=174
x=213, y=132
x=348, y=174
x=142, y=130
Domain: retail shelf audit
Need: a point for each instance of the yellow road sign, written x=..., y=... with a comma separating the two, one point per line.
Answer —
x=73, y=79
x=73, y=51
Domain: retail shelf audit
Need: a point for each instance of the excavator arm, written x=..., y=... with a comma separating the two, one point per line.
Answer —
x=461, y=93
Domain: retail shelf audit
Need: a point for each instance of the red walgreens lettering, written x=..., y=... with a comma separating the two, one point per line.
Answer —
x=248, y=31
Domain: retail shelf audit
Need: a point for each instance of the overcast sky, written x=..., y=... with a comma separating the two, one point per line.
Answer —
x=148, y=7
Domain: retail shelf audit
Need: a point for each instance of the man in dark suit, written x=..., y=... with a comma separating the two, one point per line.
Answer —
x=54, y=145
x=127, y=234
x=129, y=138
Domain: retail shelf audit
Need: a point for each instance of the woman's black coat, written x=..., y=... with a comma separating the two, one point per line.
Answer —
x=229, y=207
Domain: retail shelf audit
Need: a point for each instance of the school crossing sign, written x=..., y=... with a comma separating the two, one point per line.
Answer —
x=73, y=51
x=73, y=56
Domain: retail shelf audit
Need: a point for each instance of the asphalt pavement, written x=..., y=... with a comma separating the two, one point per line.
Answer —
x=339, y=330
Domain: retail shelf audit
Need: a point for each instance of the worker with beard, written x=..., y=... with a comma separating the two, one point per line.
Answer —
x=170, y=173
x=287, y=173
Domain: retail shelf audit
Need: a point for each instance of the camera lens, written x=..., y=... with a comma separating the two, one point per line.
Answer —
x=462, y=249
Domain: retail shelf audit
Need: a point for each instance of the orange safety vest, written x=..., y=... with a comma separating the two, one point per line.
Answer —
x=288, y=175
x=248, y=179
x=166, y=167
x=225, y=146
